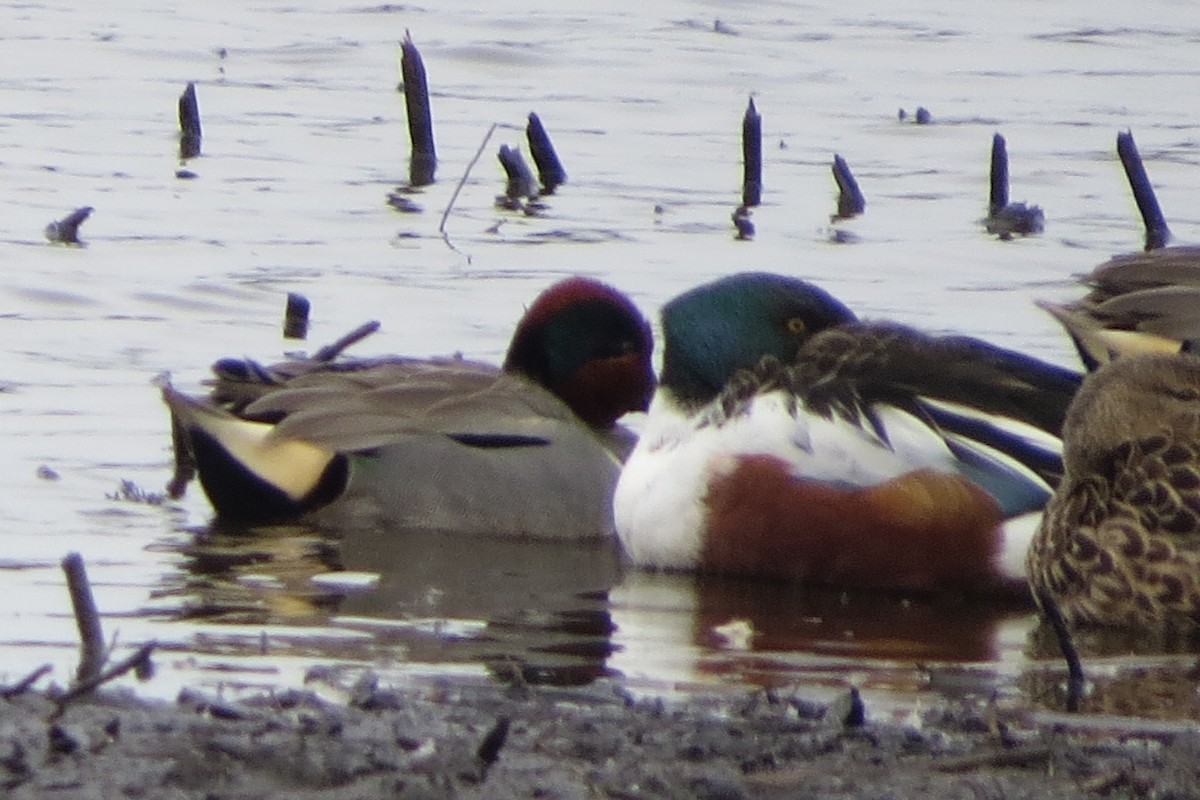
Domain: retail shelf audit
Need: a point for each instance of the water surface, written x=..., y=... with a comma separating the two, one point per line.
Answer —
x=303, y=140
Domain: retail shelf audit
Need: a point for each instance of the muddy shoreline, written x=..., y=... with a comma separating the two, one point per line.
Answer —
x=459, y=739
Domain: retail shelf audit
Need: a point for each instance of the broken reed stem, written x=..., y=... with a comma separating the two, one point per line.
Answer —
x=423, y=161
x=751, y=156
x=550, y=169
x=189, y=123
x=851, y=202
x=295, y=316
x=66, y=230
x=1157, y=232
x=91, y=637
x=22, y=686
x=458, y=188
x=998, y=197
x=520, y=182
x=334, y=349
x=489, y=749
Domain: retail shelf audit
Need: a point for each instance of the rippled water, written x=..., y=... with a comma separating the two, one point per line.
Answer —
x=304, y=138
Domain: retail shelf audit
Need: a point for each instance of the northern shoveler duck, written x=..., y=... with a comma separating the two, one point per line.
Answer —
x=1119, y=543
x=1137, y=303
x=531, y=448
x=787, y=439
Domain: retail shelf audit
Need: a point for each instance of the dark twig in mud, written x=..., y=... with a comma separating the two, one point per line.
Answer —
x=489, y=748
x=200, y=703
x=295, y=316
x=1157, y=232
x=139, y=661
x=87, y=618
x=751, y=156
x=458, y=188
x=550, y=170
x=189, y=123
x=334, y=349
x=23, y=685
x=851, y=202
x=423, y=162
x=1029, y=755
x=1075, y=678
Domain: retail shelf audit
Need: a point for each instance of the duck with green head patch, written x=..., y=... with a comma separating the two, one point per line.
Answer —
x=787, y=439
x=530, y=449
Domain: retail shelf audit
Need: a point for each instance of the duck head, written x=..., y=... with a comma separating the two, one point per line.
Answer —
x=1131, y=399
x=714, y=330
x=589, y=345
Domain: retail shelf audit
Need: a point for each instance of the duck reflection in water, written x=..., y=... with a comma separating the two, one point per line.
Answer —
x=564, y=614
x=529, y=612
x=687, y=629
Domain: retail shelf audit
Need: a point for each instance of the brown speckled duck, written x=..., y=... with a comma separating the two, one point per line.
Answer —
x=1119, y=543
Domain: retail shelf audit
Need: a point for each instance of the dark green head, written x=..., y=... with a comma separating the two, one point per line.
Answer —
x=714, y=330
x=587, y=343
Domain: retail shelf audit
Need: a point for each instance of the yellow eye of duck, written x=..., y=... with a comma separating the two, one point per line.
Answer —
x=796, y=325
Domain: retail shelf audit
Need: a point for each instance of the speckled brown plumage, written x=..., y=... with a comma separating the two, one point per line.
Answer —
x=1119, y=544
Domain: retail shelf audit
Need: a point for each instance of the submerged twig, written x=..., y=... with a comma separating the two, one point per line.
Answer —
x=550, y=170
x=851, y=202
x=998, y=176
x=520, y=182
x=22, y=686
x=189, y=123
x=1157, y=232
x=66, y=230
x=92, y=651
x=423, y=162
x=458, y=188
x=334, y=349
x=920, y=117
x=742, y=223
x=140, y=661
x=295, y=316
x=1004, y=218
x=751, y=156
